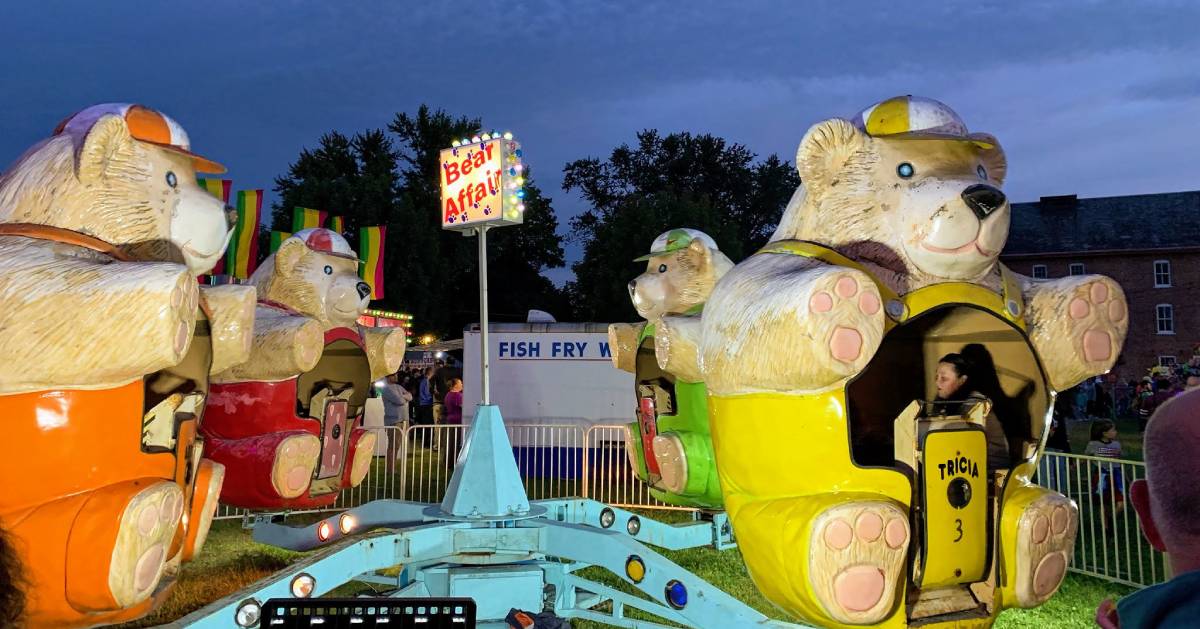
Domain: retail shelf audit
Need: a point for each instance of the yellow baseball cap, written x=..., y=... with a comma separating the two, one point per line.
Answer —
x=917, y=118
x=146, y=125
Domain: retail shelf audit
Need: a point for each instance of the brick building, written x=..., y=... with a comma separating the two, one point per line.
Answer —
x=1149, y=244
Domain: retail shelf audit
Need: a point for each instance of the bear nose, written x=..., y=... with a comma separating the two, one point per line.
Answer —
x=364, y=289
x=983, y=199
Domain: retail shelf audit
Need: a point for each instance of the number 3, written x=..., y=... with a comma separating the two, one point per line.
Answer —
x=958, y=523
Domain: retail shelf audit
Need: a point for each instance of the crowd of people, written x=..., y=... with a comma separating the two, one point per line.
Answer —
x=425, y=396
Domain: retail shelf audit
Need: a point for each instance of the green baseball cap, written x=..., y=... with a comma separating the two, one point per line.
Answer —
x=674, y=240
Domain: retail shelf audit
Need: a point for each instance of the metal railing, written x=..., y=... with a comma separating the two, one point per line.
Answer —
x=561, y=460
x=1110, y=544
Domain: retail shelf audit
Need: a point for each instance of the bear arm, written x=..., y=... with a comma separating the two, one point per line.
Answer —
x=71, y=318
x=771, y=322
x=677, y=347
x=284, y=346
x=230, y=311
x=623, y=344
x=1077, y=325
x=385, y=349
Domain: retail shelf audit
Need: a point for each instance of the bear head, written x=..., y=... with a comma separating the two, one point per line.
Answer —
x=921, y=201
x=680, y=273
x=123, y=174
x=315, y=273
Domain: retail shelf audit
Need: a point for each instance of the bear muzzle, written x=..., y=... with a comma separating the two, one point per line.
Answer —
x=983, y=199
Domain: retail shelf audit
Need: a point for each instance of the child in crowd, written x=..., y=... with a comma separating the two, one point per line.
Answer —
x=1109, y=486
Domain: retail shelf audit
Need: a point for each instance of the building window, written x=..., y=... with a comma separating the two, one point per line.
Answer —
x=1162, y=273
x=1166, y=361
x=1166, y=318
x=1076, y=268
x=1039, y=271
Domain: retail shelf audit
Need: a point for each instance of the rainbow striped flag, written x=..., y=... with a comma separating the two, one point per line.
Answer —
x=277, y=238
x=337, y=223
x=242, y=256
x=370, y=250
x=304, y=218
x=217, y=187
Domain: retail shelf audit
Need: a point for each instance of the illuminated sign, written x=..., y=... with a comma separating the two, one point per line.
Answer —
x=482, y=182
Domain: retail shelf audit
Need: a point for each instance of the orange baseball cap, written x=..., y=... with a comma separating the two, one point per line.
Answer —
x=146, y=125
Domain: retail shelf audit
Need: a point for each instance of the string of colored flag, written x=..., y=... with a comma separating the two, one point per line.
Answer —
x=371, y=241
x=242, y=255
x=307, y=218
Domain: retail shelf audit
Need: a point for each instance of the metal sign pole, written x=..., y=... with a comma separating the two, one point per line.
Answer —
x=483, y=314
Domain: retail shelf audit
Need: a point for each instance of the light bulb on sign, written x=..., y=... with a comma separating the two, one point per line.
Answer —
x=508, y=135
x=486, y=137
x=455, y=144
x=475, y=138
x=520, y=181
x=520, y=207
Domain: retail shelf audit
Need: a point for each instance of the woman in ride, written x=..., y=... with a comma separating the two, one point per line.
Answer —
x=956, y=396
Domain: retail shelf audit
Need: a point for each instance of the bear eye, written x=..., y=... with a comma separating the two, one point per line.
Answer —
x=328, y=270
x=171, y=179
x=662, y=268
x=905, y=170
x=981, y=171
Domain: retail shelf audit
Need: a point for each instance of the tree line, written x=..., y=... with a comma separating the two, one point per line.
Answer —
x=389, y=176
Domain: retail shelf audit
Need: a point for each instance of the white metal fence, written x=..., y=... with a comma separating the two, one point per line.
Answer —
x=1110, y=544
x=560, y=461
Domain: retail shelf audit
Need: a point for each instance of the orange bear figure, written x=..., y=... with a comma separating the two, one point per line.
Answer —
x=108, y=343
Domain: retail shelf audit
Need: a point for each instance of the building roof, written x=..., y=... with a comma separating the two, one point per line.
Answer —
x=1069, y=224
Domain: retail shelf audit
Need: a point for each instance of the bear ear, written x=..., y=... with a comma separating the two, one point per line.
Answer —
x=993, y=160
x=699, y=252
x=825, y=149
x=289, y=255
x=98, y=155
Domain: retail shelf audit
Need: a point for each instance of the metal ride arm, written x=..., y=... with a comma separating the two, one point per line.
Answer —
x=688, y=599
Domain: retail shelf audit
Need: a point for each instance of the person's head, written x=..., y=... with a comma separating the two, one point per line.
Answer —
x=456, y=384
x=393, y=378
x=1103, y=429
x=12, y=575
x=429, y=372
x=1193, y=382
x=1166, y=500
x=951, y=376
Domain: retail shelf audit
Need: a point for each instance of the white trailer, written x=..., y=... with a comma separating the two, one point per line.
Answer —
x=549, y=374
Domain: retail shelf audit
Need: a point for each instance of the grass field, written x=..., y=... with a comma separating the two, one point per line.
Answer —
x=232, y=561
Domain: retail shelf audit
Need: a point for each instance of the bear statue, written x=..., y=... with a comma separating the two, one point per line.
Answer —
x=669, y=446
x=108, y=344
x=287, y=423
x=853, y=502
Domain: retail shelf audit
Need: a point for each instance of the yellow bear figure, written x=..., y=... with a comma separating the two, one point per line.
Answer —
x=287, y=423
x=854, y=501
x=108, y=345
x=669, y=446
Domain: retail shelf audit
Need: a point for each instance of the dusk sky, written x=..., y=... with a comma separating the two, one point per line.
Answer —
x=1089, y=98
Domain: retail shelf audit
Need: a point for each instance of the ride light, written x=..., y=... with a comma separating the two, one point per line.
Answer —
x=607, y=517
x=635, y=569
x=248, y=613
x=346, y=523
x=676, y=594
x=324, y=531
x=303, y=585
x=634, y=525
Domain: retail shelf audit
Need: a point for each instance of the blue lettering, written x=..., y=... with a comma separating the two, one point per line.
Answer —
x=581, y=347
x=504, y=349
x=556, y=348
x=604, y=351
x=533, y=349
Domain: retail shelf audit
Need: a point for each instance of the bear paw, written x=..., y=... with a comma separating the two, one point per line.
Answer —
x=139, y=556
x=296, y=458
x=856, y=558
x=672, y=462
x=1045, y=541
x=364, y=453
x=1097, y=311
x=845, y=306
